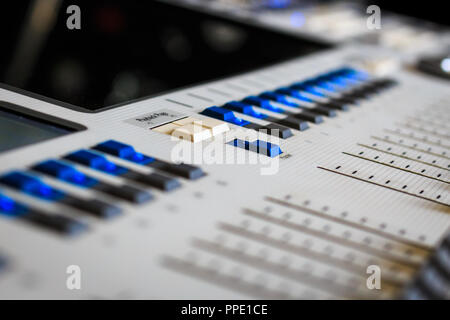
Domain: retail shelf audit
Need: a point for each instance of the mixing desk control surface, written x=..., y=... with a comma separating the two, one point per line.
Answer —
x=287, y=182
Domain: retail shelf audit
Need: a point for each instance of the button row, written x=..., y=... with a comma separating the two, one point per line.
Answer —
x=182, y=170
x=302, y=102
x=65, y=170
x=55, y=222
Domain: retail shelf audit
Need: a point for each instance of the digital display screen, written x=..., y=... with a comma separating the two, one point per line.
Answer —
x=127, y=50
x=17, y=130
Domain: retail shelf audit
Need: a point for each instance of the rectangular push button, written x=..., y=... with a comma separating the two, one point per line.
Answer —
x=309, y=116
x=96, y=161
x=293, y=123
x=277, y=130
x=184, y=121
x=65, y=172
x=126, y=192
x=31, y=185
x=156, y=180
x=95, y=207
x=267, y=148
x=10, y=208
x=217, y=127
x=123, y=151
x=224, y=115
x=166, y=129
x=192, y=132
x=324, y=111
x=55, y=222
x=263, y=103
x=179, y=169
x=259, y=146
x=244, y=108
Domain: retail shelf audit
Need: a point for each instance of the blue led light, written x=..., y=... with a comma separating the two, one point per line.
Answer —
x=65, y=172
x=281, y=98
x=96, y=161
x=6, y=204
x=10, y=208
x=262, y=103
x=123, y=151
x=245, y=109
x=224, y=115
x=294, y=93
x=31, y=185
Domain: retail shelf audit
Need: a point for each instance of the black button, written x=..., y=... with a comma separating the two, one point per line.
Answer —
x=324, y=111
x=309, y=116
x=181, y=170
x=158, y=181
x=293, y=123
x=57, y=223
x=125, y=192
x=277, y=130
x=95, y=207
x=334, y=105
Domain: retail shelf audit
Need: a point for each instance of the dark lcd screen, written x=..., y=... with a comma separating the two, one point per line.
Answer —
x=127, y=50
x=18, y=130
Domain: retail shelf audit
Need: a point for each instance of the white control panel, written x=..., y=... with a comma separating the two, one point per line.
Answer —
x=291, y=181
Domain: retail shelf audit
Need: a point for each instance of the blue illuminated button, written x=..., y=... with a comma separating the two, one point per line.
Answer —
x=65, y=172
x=10, y=208
x=245, y=109
x=308, y=88
x=123, y=151
x=224, y=115
x=263, y=103
x=281, y=98
x=267, y=148
x=294, y=93
x=31, y=185
x=96, y=161
x=259, y=146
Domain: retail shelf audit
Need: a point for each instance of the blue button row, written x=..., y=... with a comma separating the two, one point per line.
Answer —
x=338, y=80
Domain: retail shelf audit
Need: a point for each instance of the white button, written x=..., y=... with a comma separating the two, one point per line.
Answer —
x=216, y=126
x=166, y=129
x=192, y=132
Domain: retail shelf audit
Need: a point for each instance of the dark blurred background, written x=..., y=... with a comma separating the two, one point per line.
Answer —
x=127, y=49
x=131, y=49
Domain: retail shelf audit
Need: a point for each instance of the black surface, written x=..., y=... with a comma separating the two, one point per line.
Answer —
x=126, y=50
x=27, y=129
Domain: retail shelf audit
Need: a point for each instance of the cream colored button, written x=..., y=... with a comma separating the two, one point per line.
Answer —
x=192, y=132
x=216, y=126
x=166, y=129
x=184, y=121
